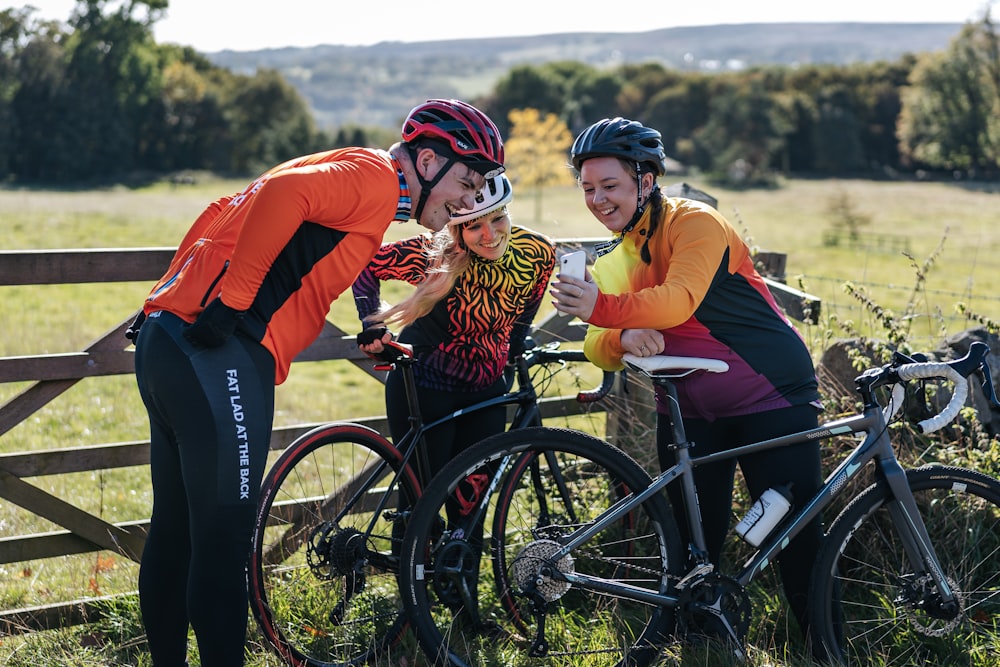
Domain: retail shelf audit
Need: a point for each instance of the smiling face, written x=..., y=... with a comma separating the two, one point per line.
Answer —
x=455, y=191
x=609, y=190
x=488, y=236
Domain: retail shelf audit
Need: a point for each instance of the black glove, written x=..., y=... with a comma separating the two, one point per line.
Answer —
x=369, y=336
x=133, y=329
x=214, y=325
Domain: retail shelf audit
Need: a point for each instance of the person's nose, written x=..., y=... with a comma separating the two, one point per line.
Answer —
x=488, y=233
x=468, y=201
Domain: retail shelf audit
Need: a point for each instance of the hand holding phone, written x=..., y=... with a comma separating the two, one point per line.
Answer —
x=573, y=265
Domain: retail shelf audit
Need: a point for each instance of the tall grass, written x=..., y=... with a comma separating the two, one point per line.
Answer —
x=952, y=241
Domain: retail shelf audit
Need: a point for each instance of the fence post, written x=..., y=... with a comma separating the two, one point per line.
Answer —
x=631, y=419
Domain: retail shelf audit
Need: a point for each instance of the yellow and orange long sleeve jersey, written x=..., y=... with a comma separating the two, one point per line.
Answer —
x=702, y=293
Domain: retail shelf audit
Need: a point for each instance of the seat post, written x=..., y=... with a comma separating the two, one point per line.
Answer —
x=678, y=435
x=416, y=421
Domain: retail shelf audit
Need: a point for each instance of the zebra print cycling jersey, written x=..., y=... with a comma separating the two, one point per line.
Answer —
x=463, y=343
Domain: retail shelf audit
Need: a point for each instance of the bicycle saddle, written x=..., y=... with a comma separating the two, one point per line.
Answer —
x=668, y=365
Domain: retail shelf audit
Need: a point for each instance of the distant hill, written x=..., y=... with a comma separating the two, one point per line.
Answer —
x=376, y=85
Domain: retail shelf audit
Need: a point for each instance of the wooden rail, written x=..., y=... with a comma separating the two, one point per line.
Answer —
x=50, y=375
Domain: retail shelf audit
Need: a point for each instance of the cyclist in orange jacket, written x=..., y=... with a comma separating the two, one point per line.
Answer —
x=248, y=289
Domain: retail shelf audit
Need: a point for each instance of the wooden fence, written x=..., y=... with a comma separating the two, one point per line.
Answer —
x=50, y=375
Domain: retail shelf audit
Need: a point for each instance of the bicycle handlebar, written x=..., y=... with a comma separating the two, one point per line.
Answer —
x=959, y=392
x=551, y=354
x=956, y=371
x=596, y=394
x=395, y=353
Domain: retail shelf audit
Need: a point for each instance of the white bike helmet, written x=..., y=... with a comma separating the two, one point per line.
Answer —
x=496, y=194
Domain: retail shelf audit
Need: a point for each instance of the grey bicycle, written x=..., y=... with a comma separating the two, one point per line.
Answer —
x=588, y=568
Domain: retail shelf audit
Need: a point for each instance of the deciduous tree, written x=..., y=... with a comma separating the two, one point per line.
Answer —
x=537, y=152
x=951, y=110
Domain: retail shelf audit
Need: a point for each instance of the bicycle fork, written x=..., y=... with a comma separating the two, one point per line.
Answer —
x=938, y=600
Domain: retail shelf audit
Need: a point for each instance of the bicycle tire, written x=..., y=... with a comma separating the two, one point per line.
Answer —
x=322, y=596
x=864, y=599
x=645, y=551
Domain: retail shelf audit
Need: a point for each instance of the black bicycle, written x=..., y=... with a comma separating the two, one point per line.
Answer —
x=324, y=563
x=589, y=568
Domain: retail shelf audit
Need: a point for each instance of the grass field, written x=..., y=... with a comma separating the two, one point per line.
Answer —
x=909, y=223
x=791, y=219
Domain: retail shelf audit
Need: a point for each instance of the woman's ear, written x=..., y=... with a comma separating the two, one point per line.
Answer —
x=647, y=184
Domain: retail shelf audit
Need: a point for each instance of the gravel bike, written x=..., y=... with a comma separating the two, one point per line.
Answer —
x=588, y=567
x=331, y=515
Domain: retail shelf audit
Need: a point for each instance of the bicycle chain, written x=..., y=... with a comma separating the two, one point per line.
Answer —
x=626, y=564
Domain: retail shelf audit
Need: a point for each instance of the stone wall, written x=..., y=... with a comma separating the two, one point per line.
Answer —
x=836, y=373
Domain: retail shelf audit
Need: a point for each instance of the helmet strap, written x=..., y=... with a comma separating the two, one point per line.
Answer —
x=604, y=247
x=640, y=204
x=426, y=184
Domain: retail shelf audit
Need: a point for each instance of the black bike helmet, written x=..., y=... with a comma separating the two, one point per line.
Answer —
x=621, y=138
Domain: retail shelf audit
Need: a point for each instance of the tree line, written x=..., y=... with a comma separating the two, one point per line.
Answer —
x=97, y=100
x=930, y=112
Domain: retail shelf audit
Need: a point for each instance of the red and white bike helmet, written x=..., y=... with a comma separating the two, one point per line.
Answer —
x=469, y=133
x=458, y=131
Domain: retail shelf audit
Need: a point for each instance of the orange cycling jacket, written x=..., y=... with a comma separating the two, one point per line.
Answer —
x=286, y=247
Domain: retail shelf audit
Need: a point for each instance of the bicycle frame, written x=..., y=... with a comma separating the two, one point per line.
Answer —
x=876, y=447
x=334, y=506
x=620, y=563
x=527, y=413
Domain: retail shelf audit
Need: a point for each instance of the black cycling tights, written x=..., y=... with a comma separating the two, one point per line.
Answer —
x=799, y=465
x=210, y=414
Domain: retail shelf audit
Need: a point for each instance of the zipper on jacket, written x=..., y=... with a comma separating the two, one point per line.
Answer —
x=215, y=282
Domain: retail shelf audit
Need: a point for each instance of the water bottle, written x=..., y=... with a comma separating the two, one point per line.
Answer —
x=765, y=514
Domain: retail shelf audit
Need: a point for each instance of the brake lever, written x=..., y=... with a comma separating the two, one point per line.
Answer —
x=991, y=396
x=898, y=358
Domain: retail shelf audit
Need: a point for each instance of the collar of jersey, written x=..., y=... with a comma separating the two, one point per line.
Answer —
x=637, y=229
x=404, y=209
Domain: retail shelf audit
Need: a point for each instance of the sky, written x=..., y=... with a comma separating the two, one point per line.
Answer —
x=246, y=25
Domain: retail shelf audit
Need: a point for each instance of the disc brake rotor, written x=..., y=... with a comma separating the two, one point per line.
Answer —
x=925, y=623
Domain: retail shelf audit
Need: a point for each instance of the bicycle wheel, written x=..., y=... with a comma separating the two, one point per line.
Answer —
x=522, y=612
x=323, y=566
x=871, y=606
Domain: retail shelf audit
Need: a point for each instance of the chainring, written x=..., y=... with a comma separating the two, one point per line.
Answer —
x=698, y=599
x=455, y=565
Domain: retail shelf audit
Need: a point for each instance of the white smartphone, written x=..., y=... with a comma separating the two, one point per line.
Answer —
x=573, y=264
